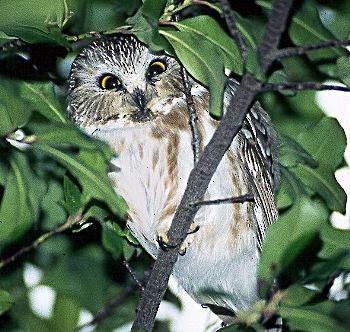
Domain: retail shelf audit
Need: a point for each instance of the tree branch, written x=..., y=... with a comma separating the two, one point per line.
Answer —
x=192, y=114
x=232, y=27
x=300, y=50
x=273, y=32
x=230, y=200
x=300, y=86
x=71, y=221
x=202, y=173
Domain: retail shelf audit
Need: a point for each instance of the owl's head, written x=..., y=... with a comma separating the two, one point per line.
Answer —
x=118, y=80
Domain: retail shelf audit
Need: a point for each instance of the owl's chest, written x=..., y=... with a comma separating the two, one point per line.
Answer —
x=150, y=173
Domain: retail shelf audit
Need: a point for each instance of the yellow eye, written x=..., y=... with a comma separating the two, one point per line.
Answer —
x=110, y=82
x=156, y=68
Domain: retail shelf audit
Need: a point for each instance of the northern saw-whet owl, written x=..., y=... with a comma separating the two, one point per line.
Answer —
x=134, y=100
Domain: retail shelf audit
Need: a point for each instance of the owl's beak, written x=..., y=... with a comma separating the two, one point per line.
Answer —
x=143, y=113
x=139, y=98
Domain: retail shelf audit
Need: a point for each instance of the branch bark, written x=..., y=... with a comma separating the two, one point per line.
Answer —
x=202, y=173
x=230, y=200
x=192, y=117
x=232, y=27
x=300, y=50
x=301, y=86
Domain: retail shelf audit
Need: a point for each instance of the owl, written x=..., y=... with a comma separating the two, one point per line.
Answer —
x=133, y=99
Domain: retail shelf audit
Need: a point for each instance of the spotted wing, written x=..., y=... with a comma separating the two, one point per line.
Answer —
x=259, y=156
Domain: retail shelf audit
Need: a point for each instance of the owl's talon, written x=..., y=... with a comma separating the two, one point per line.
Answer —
x=182, y=250
x=163, y=242
x=193, y=229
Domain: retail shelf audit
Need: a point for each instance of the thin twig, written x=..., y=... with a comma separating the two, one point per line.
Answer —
x=300, y=50
x=97, y=34
x=232, y=28
x=116, y=301
x=192, y=113
x=230, y=200
x=300, y=86
x=133, y=275
x=71, y=221
x=192, y=117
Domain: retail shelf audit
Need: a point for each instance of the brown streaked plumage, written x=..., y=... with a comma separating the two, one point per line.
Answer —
x=133, y=99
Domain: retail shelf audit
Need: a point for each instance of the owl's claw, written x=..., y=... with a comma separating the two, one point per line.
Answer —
x=183, y=248
x=163, y=240
x=193, y=229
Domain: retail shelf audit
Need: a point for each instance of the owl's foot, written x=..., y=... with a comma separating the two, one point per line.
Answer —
x=163, y=240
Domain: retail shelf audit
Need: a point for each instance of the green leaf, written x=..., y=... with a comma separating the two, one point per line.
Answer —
x=297, y=295
x=290, y=235
x=343, y=69
x=251, y=33
x=328, y=152
x=68, y=308
x=123, y=232
x=291, y=153
x=42, y=99
x=203, y=62
x=34, y=35
x=21, y=200
x=37, y=21
x=18, y=99
x=66, y=136
x=128, y=250
x=334, y=15
x=90, y=168
x=309, y=318
x=22, y=12
x=85, y=278
x=13, y=110
x=111, y=241
x=331, y=142
x=206, y=28
x=290, y=189
x=72, y=196
x=153, y=9
x=53, y=212
x=97, y=213
x=336, y=242
x=278, y=77
x=322, y=181
x=307, y=28
x=339, y=238
x=145, y=24
x=6, y=301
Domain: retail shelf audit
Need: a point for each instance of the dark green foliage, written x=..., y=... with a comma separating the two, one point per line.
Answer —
x=52, y=174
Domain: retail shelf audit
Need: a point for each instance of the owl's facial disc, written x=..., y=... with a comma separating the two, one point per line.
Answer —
x=118, y=80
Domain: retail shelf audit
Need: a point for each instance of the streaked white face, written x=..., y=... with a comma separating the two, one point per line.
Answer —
x=119, y=80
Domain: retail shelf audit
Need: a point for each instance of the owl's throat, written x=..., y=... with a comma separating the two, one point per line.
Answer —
x=143, y=115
